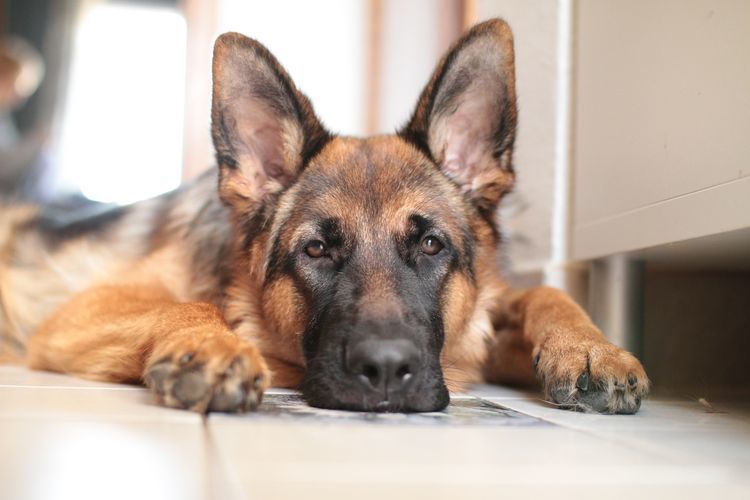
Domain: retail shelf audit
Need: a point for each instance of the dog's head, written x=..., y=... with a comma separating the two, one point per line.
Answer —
x=371, y=252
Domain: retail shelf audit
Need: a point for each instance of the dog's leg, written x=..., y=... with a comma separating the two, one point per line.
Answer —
x=577, y=366
x=184, y=352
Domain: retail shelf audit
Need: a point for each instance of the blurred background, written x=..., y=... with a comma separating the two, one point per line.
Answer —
x=632, y=152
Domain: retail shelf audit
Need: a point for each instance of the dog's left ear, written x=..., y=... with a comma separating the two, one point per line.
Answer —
x=466, y=116
x=263, y=128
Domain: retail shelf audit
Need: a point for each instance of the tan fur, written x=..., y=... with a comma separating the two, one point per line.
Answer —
x=116, y=332
x=35, y=282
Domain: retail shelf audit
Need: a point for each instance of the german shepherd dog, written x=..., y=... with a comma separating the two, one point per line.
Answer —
x=361, y=271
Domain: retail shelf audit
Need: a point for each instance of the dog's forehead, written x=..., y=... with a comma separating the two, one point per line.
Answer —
x=382, y=177
x=380, y=153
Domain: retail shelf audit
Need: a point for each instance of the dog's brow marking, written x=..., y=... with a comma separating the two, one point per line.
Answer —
x=283, y=212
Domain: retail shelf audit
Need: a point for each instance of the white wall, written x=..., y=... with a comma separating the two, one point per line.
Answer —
x=537, y=240
x=412, y=42
x=322, y=46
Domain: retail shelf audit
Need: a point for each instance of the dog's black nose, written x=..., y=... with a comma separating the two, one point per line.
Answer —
x=384, y=365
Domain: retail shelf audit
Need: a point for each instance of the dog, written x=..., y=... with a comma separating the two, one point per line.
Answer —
x=362, y=272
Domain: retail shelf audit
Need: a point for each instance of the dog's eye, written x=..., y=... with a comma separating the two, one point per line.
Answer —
x=431, y=245
x=315, y=249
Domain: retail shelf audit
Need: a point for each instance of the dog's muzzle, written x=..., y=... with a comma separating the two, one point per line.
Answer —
x=376, y=365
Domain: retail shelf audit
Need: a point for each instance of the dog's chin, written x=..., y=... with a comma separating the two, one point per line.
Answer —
x=333, y=396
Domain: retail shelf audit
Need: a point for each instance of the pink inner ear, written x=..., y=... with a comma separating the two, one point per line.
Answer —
x=467, y=140
x=261, y=146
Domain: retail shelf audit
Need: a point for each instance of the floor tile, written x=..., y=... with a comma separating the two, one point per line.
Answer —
x=282, y=459
x=63, y=403
x=655, y=414
x=18, y=376
x=81, y=460
x=61, y=437
x=683, y=430
x=26, y=394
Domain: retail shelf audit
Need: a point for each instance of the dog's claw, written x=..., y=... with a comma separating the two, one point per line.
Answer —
x=186, y=358
x=535, y=361
x=583, y=382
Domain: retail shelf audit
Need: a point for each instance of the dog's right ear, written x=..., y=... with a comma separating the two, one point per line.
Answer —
x=264, y=130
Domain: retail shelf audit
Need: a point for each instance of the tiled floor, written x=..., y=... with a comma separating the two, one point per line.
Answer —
x=62, y=437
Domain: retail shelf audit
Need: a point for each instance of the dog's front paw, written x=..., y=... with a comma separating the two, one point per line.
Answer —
x=591, y=375
x=220, y=374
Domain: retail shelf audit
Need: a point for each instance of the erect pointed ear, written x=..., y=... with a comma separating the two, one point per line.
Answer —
x=264, y=130
x=466, y=116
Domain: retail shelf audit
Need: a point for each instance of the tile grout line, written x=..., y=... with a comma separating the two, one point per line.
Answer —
x=223, y=482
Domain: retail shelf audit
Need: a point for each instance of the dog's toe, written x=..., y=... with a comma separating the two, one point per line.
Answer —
x=224, y=378
x=190, y=387
x=238, y=391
